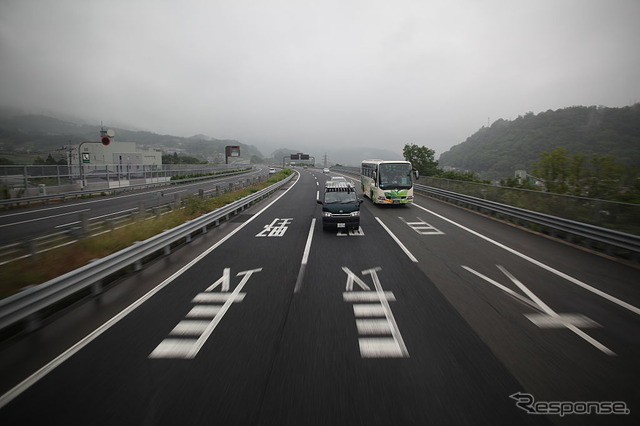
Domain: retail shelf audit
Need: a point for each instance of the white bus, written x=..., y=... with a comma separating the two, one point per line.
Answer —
x=388, y=182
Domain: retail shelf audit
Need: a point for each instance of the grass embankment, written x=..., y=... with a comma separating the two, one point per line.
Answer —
x=19, y=274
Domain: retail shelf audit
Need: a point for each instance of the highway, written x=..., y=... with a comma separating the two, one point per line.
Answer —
x=429, y=314
x=25, y=223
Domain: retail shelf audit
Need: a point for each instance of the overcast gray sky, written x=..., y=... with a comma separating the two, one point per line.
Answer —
x=292, y=73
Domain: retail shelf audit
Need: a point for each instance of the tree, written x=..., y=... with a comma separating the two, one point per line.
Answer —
x=553, y=169
x=422, y=158
x=600, y=176
x=605, y=176
x=577, y=174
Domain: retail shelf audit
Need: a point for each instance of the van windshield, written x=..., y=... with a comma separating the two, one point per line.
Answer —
x=340, y=197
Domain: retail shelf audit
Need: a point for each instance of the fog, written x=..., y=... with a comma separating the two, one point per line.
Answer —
x=303, y=74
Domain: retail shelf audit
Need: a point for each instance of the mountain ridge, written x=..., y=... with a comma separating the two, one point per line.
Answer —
x=45, y=134
x=497, y=151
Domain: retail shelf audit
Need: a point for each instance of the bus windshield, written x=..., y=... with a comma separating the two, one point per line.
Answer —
x=395, y=176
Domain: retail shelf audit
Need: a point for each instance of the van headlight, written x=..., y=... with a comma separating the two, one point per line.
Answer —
x=355, y=214
x=326, y=214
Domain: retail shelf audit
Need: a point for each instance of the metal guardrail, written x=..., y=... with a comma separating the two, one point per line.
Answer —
x=612, y=242
x=83, y=228
x=88, y=227
x=76, y=194
x=27, y=304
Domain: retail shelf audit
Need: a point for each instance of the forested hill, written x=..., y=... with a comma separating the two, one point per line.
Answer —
x=44, y=134
x=506, y=146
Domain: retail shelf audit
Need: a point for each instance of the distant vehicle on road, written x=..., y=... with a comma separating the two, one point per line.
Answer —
x=325, y=170
x=340, y=179
x=388, y=182
x=272, y=171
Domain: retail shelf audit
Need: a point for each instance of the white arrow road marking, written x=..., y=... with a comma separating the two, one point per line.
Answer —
x=199, y=327
x=569, y=278
x=422, y=227
x=564, y=320
x=578, y=320
x=374, y=317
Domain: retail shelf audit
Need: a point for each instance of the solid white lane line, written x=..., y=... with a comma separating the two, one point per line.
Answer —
x=43, y=218
x=569, y=278
x=407, y=252
x=97, y=217
x=29, y=381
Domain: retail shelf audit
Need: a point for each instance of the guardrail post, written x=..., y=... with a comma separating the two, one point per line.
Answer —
x=217, y=190
x=32, y=247
x=84, y=224
x=33, y=322
x=96, y=288
x=177, y=201
x=201, y=193
x=141, y=210
x=231, y=187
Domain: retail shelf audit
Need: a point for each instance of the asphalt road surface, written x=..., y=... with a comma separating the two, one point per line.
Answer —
x=24, y=223
x=429, y=314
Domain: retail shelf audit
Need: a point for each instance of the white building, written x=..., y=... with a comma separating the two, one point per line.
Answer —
x=118, y=153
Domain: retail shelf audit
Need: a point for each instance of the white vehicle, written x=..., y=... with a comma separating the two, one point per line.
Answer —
x=325, y=170
x=340, y=179
x=272, y=171
x=388, y=182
